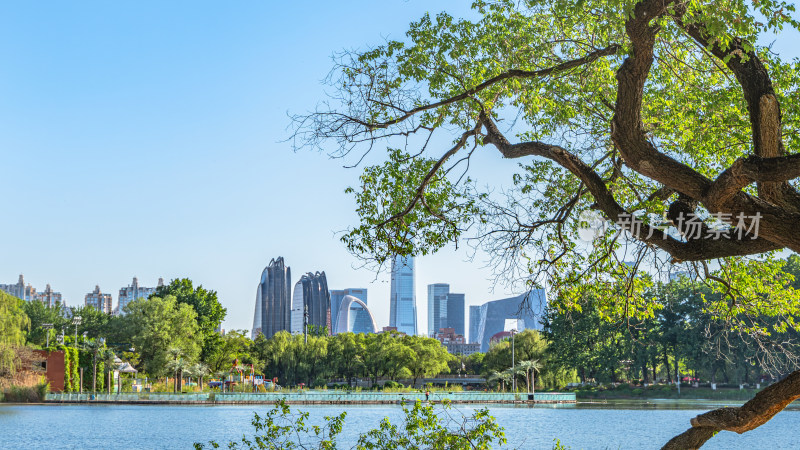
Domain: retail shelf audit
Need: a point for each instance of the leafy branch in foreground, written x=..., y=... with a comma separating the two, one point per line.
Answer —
x=423, y=427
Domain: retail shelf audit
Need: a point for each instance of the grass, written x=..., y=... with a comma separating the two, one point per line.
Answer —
x=25, y=394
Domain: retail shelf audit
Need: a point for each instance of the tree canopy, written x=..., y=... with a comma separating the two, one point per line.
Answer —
x=14, y=324
x=666, y=119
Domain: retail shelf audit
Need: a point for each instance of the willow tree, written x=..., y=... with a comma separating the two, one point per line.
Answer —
x=661, y=118
x=13, y=326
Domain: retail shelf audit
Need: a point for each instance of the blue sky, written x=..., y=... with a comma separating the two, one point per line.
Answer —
x=145, y=139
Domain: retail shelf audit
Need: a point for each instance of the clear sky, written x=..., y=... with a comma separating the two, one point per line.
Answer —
x=145, y=139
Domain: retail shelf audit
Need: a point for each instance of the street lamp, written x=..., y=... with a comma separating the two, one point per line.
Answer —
x=513, y=366
x=48, y=327
x=76, y=321
x=85, y=333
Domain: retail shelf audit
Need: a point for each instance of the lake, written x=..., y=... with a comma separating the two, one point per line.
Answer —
x=619, y=424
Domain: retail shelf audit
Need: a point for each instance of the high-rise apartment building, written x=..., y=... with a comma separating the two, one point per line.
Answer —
x=20, y=290
x=49, y=297
x=337, y=295
x=273, y=300
x=403, y=300
x=133, y=292
x=98, y=300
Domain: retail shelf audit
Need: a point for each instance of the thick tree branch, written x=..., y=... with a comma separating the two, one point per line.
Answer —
x=760, y=409
x=694, y=250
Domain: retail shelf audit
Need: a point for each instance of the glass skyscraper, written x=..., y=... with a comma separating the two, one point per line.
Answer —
x=437, y=307
x=403, y=300
x=273, y=300
x=445, y=309
x=311, y=293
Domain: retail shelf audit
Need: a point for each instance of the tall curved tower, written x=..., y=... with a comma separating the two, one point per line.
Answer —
x=403, y=299
x=273, y=300
x=311, y=292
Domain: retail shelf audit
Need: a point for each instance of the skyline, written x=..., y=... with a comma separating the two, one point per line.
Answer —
x=148, y=140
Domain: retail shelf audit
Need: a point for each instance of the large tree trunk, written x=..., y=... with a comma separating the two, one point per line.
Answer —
x=749, y=416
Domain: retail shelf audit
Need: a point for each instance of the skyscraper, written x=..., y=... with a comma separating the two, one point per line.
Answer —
x=403, y=300
x=474, y=322
x=20, y=290
x=311, y=294
x=98, y=300
x=337, y=295
x=492, y=316
x=455, y=312
x=273, y=300
x=437, y=307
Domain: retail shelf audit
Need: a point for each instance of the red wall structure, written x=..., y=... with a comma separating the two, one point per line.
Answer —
x=54, y=368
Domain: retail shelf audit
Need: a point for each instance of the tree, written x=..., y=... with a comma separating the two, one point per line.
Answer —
x=529, y=369
x=159, y=324
x=430, y=358
x=13, y=326
x=39, y=314
x=210, y=312
x=665, y=118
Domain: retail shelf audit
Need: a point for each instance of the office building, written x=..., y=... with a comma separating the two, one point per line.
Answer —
x=98, y=300
x=273, y=300
x=474, y=319
x=455, y=312
x=403, y=300
x=437, y=307
x=134, y=292
x=354, y=317
x=311, y=297
x=526, y=309
x=445, y=309
x=337, y=295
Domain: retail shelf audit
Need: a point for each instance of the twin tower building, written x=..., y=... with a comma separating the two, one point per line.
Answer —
x=281, y=306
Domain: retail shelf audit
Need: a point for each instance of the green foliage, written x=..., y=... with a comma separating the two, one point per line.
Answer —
x=436, y=217
x=210, y=312
x=160, y=324
x=347, y=356
x=13, y=325
x=694, y=329
x=39, y=314
x=25, y=394
x=423, y=427
x=426, y=428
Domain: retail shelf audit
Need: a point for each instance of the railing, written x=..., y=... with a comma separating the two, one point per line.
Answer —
x=312, y=397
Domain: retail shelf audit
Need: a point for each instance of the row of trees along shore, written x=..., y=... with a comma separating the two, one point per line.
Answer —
x=682, y=335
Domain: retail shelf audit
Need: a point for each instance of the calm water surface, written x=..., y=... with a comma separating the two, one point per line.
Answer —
x=613, y=425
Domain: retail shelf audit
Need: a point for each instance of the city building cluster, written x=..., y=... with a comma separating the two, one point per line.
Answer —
x=283, y=306
x=96, y=299
x=309, y=304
